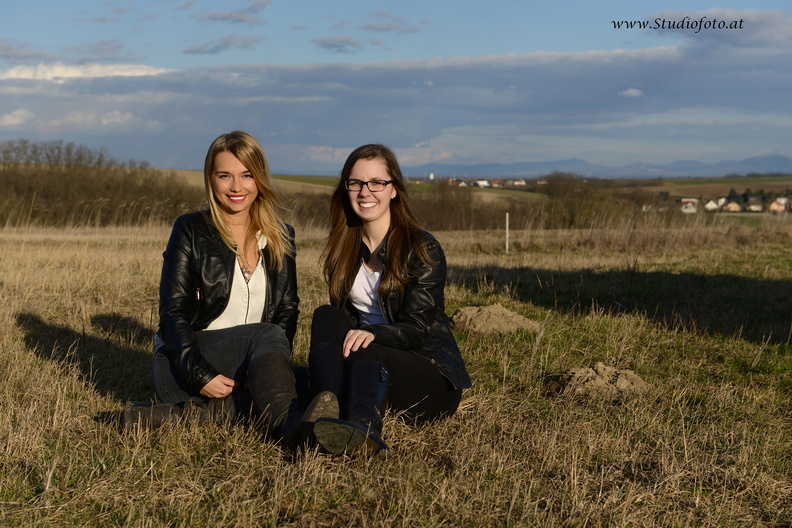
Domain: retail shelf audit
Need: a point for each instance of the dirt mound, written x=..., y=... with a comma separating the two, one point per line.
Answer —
x=602, y=380
x=490, y=320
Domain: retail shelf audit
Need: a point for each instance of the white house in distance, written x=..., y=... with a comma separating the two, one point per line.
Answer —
x=482, y=183
x=689, y=205
x=754, y=205
x=779, y=205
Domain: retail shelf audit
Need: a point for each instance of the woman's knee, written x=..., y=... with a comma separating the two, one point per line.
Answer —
x=269, y=338
x=327, y=310
x=329, y=319
x=371, y=352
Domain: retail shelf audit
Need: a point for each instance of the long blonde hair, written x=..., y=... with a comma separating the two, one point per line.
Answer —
x=265, y=208
x=343, y=244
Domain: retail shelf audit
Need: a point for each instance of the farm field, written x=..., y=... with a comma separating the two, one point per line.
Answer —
x=715, y=187
x=699, y=312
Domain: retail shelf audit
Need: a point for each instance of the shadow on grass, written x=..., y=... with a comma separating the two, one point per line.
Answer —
x=756, y=310
x=117, y=363
x=113, y=364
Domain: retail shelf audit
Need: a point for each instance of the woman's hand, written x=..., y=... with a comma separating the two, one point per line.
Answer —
x=356, y=339
x=219, y=387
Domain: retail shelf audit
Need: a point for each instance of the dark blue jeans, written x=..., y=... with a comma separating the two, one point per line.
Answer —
x=228, y=350
x=416, y=387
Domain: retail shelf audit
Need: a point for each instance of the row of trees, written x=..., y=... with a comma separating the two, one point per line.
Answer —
x=760, y=194
x=64, y=184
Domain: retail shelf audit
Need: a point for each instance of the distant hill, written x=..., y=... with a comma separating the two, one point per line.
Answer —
x=756, y=164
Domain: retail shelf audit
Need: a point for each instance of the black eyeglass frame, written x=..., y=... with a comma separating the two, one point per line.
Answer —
x=366, y=183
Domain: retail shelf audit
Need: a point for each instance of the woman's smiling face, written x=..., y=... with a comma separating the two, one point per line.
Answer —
x=233, y=185
x=371, y=207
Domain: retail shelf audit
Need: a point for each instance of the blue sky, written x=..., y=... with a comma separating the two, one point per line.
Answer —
x=439, y=81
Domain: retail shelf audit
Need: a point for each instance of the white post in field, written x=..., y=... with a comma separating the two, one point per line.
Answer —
x=507, y=233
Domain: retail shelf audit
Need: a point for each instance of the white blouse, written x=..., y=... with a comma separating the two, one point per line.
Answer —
x=364, y=296
x=247, y=298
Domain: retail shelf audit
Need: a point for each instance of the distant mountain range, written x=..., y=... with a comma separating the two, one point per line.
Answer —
x=677, y=169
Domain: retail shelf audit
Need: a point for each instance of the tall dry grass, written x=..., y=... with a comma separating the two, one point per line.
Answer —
x=709, y=445
x=57, y=184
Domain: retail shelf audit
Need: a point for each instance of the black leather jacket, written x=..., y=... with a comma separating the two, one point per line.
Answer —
x=416, y=318
x=195, y=286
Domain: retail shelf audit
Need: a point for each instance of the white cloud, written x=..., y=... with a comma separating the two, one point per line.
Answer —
x=531, y=106
x=116, y=117
x=58, y=71
x=16, y=118
x=631, y=92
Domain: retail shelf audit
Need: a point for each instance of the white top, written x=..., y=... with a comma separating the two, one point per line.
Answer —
x=247, y=298
x=364, y=296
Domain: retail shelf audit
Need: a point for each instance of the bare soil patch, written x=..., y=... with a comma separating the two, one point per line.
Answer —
x=491, y=320
x=601, y=380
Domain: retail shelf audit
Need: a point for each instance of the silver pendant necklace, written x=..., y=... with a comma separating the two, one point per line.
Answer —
x=247, y=273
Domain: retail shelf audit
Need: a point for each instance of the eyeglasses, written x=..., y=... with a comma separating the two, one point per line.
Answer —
x=373, y=185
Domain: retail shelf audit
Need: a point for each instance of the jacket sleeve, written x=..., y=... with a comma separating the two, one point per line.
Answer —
x=286, y=309
x=422, y=295
x=179, y=289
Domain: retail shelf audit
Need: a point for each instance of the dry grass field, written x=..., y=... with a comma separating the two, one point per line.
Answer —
x=700, y=313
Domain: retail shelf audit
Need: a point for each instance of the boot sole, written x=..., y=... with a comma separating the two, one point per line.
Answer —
x=337, y=437
x=324, y=405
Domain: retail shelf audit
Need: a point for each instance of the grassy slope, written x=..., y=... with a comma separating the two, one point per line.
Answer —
x=687, y=310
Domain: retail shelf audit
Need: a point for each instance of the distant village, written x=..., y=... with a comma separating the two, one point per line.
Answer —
x=733, y=203
x=459, y=182
x=753, y=204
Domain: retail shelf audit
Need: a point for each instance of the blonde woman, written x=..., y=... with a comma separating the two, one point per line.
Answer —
x=229, y=304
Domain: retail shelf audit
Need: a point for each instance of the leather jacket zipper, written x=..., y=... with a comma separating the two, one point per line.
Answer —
x=266, y=318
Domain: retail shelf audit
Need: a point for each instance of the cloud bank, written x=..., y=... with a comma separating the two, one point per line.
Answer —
x=707, y=97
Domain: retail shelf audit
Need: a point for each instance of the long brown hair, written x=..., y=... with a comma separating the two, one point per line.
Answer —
x=265, y=208
x=342, y=251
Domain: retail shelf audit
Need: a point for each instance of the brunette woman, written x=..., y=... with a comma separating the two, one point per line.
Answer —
x=384, y=339
x=229, y=304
